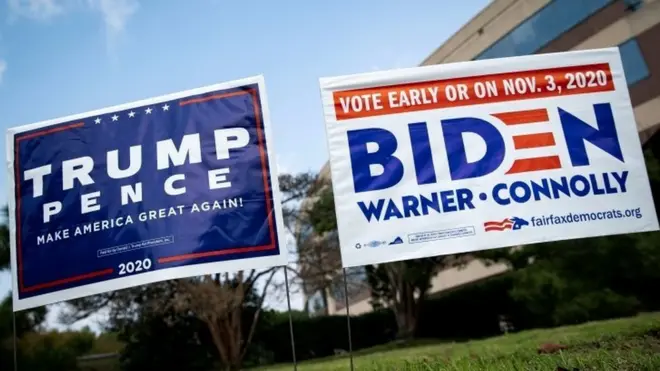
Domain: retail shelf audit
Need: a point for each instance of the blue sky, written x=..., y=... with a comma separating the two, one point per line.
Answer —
x=60, y=57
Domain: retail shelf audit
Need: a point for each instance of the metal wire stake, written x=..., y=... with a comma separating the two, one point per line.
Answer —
x=13, y=316
x=288, y=303
x=348, y=322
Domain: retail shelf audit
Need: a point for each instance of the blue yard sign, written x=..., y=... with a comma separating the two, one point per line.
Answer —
x=169, y=187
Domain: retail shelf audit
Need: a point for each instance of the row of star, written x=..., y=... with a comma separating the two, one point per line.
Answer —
x=131, y=114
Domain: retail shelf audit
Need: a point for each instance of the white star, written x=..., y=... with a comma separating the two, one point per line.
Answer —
x=115, y=117
x=131, y=114
x=148, y=111
x=166, y=107
x=97, y=121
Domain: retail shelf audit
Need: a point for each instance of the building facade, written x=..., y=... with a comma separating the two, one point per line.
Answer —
x=507, y=28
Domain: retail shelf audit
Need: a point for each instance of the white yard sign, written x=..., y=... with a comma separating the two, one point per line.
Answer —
x=478, y=155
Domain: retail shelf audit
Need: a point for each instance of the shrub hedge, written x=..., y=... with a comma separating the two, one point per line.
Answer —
x=469, y=312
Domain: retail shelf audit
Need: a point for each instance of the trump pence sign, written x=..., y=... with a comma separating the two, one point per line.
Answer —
x=478, y=155
x=168, y=187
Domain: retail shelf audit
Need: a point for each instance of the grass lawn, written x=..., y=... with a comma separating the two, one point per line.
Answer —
x=630, y=344
x=108, y=364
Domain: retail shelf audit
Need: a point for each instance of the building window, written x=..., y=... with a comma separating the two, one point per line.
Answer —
x=338, y=291
x=634, y=66
x=356, y=280
x=316, y=302
x=634, y=4
x=547, y=24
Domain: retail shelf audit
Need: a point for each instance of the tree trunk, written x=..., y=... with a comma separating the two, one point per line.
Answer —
x=324, y=296
x=406, y=311
x=403, y=300
x=217, y=341
x=407, y=325
x=224, y=341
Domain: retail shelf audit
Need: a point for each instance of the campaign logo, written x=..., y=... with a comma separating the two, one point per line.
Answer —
x=375, y=243
x=397, y=241
x=513, y=223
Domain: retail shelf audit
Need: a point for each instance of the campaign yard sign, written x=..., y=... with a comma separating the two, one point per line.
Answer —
x=168, y=187
x=478, y=155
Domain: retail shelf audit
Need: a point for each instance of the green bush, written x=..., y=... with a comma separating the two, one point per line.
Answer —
x=56, y=351
x=548, y=298
x=320, y=336
x=172, y=342
x=468, y=312
x=594, y=306
x=53, y=351
x=471, y=311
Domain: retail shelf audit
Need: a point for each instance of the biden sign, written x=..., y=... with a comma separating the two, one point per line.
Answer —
x=169, y=187
x=470, y=156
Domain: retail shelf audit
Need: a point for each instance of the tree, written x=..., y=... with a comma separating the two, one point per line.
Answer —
x=318, y=264
x=220, y=302
x=402, y=286
x=27, y=320
x=4, y=239
x=226, y=305
x=322, y=214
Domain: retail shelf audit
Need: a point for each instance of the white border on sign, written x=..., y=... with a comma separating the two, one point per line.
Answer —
x=166, y=273
x=438, y=72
